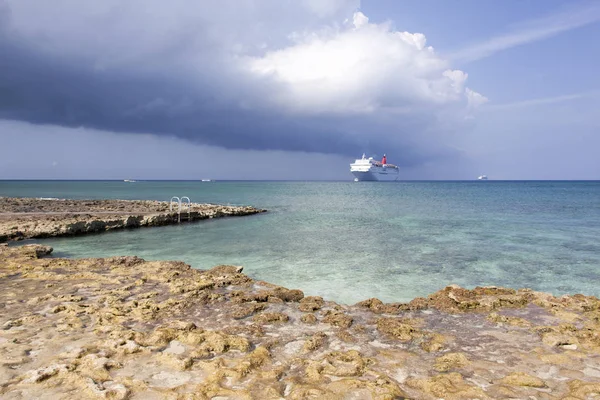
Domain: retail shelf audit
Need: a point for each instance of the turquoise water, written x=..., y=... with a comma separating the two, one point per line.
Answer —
x=350, y=241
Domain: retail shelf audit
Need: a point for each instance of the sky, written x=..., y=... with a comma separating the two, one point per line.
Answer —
x=298, y=89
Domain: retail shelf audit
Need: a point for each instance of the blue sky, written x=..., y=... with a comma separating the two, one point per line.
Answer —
x=267, y=89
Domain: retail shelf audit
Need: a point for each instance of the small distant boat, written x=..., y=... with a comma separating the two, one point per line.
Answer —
x=482, y=178
x=206, y=180
x=129, y=180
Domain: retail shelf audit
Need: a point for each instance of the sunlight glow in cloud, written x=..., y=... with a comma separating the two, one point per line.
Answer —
x=360, y=68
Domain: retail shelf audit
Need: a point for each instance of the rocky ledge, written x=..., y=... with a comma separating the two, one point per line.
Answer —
x=123, y=327
x=26, y=218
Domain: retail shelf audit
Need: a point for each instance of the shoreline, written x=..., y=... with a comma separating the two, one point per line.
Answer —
x=36, y=218
x=126, y=328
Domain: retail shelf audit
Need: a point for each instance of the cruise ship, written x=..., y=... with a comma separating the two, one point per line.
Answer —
x=368, y=169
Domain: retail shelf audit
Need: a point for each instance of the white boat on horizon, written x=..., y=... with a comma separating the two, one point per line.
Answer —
x=482, y=178
x=368, y=169
x=129, y=180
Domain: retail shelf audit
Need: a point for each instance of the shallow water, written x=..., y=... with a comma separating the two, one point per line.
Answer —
x=350, y=241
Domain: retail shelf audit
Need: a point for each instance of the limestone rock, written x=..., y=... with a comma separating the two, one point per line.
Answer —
x=42, y=374
x=38, y=218
x=523, y=379
x=315, y=341
x=398, y=328
x=308, y=319
x=450, y=361
x=435, y=342
x=450, y=386
x=268, y=318
x=311, y=303
x=337, y=318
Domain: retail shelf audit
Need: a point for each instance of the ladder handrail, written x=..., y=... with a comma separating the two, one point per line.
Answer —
x=189, y=206
x=179, y=202
x=171, y=204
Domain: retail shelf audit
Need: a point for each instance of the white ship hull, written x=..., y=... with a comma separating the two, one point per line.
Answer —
x=387, y=176
x=367, y=169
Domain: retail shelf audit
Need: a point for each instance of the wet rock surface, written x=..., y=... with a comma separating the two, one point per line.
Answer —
x=122, y=327
x=25, y=218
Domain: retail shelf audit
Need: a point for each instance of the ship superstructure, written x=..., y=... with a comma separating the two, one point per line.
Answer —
x=368, y=169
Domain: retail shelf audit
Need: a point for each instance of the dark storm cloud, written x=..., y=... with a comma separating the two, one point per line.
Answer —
x=220, y=106
x=44, y=90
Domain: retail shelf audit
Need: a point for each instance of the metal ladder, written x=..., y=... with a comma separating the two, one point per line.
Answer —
x=179, y=201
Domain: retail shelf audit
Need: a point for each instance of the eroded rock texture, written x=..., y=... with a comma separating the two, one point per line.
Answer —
x=123, y=327
x=25, y=218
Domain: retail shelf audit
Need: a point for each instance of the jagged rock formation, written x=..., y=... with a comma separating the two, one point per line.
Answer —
x=123, y=327
x=25, y=218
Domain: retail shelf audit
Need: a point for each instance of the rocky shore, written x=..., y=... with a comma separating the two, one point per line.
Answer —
x=122, y=327
x=26, y=218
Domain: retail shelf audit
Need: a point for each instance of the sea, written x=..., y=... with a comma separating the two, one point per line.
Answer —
x=350, y=241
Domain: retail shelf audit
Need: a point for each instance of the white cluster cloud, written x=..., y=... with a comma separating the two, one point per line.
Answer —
x=361, y=67
x=359, y=20
x=475, y=99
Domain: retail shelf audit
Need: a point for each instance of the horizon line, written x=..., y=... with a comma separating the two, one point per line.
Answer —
x=289, y=180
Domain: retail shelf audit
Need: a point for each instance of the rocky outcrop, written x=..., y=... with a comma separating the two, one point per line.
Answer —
x=25, y=218
x=122, y=327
